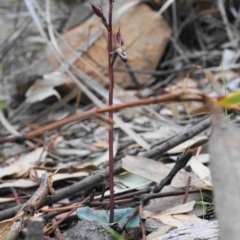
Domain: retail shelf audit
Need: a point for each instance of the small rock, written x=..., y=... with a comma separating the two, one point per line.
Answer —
x=88, y=230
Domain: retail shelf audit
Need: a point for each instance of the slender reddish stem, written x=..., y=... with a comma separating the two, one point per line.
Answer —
x=110, y=102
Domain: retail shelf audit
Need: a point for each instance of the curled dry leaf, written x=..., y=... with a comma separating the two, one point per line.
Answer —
x=44, y=88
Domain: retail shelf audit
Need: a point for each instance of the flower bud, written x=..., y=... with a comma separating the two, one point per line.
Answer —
x=97, y=10
x=118, y=38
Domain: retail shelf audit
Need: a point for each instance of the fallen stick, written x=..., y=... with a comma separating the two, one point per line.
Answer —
x=177, y=96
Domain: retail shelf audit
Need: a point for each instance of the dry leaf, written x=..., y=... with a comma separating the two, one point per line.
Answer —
x=71, y=152
x=201, y=171
x=159, y=232
x=184, y=208
x=216, y=85
x=6, y=225
x=180, y=220
x=105, y=156
x=195, y=141
x=183, y=82
x=3, y=200
x=18, y=167
x=156, y=171
x=224, y=147
x=103, y=144
x=44, y=88
x=205, y=230
x=61, y=176
x=157, y=205
x=50, y=183
x=20, y=183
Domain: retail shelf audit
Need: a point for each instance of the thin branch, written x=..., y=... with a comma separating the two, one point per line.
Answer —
x=152, y=100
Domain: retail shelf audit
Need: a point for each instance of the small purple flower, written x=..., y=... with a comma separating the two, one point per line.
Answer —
x=97, y=10
x=121, y=53
x=120, y=49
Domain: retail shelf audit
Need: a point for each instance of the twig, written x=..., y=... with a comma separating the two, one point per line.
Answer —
x=92, y=196
x=184, y=136
x=103, y=191
x=127, y=220
x=56, y=224
x=89, y=113
x=107, y=202
x=15, y=195
x=187, y=190
x=140, y=210
x=57, y=232
x=158, y=195
x=28, y=209
x=180, y=163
